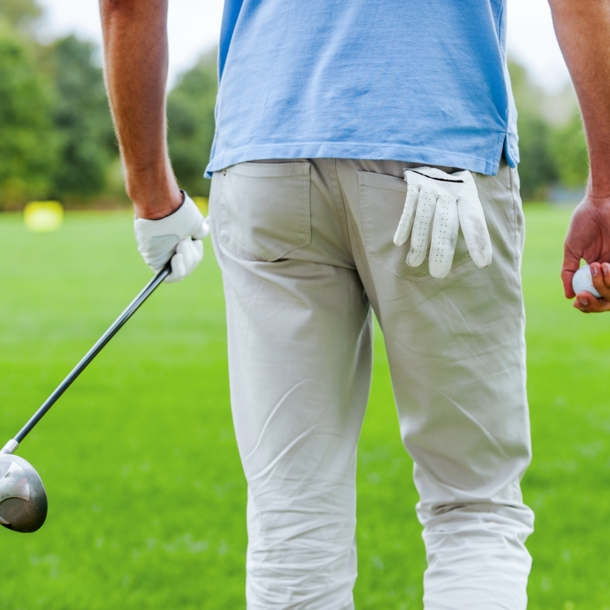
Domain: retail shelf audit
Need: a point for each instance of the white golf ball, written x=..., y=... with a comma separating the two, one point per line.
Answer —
x=582, y=280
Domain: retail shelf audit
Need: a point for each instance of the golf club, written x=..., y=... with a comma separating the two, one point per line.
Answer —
x=23, y=500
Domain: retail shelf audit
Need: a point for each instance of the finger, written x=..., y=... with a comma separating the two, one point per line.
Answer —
x=186, y=248
x=606, y=273
x=570, y=266
x=195, y=254
x=598, y=280
x=474, y=229
x=178, y=271
x=422, y=228
x=191, y=254
x=444, y=237
x=198, y=250
x=204, y=231
x=587, y=303
x=408, y=214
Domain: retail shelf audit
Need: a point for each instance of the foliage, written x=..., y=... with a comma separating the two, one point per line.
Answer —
x=537, y=168
x=28, y=142
x=190, y=111
x=569, y=151
x=20, y=13
x=56, y=136
x=551, y=140
x=82, y=120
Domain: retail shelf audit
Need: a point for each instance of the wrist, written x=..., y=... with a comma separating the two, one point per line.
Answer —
x=598, y=195
x=598, y=184
x=155, y=199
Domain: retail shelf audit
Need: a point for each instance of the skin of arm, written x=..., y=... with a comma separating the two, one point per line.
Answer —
x=583, y=32
x=136, y=59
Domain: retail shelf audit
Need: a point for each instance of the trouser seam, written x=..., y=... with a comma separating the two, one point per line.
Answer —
x=339, y=200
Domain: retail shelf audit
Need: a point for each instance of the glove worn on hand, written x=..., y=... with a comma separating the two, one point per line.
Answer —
x=437, y=205
x=177, y=236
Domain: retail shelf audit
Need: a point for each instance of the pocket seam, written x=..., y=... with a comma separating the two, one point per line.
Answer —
x=302, y=236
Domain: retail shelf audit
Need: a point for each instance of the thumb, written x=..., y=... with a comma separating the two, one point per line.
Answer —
x=178, y=269
x=571, y=263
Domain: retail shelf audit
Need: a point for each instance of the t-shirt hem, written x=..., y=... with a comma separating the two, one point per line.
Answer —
x=376, y=152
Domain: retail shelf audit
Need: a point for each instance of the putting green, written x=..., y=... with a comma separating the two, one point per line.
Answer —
x=147, y=496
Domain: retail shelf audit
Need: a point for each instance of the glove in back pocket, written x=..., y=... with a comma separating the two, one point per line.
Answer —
x=382, y=200
x=264, y=209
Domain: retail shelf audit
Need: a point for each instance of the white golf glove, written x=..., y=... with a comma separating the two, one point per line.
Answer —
x=437, y=205
x=177, y=236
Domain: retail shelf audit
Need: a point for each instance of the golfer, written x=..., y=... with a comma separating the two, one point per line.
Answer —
x=364, y=164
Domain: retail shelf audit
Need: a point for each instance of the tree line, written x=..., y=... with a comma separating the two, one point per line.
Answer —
x=552, y=144
x=56, y=134
x=57, y=140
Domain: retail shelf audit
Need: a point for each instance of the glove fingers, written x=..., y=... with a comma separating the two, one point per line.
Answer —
x=444, y=237
x=437, y=204
x=193, y=253
x=408, y=214
x=178, y=269
x=204, y=231
x=188, y=255
x=422, y=229
x=474, y=228
x=186, y=248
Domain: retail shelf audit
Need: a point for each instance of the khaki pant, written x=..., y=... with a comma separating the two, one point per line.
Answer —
x=306, y=251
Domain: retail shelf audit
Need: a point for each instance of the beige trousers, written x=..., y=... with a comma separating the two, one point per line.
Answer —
x=306, y=251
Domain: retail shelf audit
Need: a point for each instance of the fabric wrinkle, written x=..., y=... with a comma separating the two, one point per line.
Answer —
x=300, y=353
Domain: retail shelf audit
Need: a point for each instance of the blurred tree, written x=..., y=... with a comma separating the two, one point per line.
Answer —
x=528, y=96
x=570, y=155
x=551, y=139
x=537, y=167
x=82, y=120
x=20, y=13
x=28, y=143
x=190, y=111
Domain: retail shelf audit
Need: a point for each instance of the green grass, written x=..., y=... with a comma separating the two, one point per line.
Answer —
x=147, y=496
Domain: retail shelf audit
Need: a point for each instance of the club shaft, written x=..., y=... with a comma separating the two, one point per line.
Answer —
x=93, y=352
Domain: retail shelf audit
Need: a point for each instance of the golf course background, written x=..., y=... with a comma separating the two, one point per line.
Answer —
x=147, y=497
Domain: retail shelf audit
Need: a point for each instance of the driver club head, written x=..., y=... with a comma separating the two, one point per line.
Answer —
x=23, y=500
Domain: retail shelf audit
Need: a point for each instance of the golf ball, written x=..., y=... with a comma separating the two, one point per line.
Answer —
x=582, y=280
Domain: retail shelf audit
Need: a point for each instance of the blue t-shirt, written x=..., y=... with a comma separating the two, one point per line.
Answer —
x=423, y=81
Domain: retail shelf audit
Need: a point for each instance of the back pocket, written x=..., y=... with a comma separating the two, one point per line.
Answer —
x=264, y=209
x=382, y=200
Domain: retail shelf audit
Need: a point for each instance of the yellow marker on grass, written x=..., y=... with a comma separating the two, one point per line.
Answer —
x=43, y=216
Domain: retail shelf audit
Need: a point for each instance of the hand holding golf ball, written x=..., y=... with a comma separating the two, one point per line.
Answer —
x=593, y=279
x=588, y=239
x=176, y=237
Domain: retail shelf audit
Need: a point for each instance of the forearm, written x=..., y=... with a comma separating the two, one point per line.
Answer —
x=135, y=53
x=583, y=32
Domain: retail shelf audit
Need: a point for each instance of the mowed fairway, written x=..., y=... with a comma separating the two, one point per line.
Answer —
x=147, y=497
